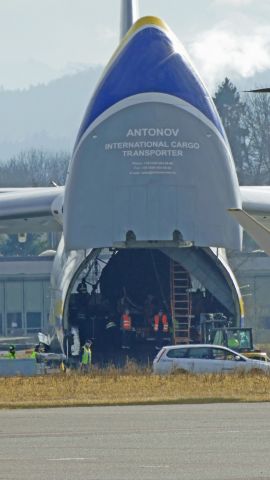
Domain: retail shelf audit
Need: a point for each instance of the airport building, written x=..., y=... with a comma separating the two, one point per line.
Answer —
x=252, y=271
x=24, y=295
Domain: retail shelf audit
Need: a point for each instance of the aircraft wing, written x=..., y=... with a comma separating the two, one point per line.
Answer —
x=256, y=202
x=25, y=210
x=255, y=214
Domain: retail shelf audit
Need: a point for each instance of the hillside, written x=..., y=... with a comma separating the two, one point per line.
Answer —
x=45, y=116
x=49, y=116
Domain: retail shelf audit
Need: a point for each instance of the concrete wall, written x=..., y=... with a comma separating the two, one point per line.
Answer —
x=22, y=367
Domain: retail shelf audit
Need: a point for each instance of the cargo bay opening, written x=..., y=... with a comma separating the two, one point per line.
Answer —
x=130, y=302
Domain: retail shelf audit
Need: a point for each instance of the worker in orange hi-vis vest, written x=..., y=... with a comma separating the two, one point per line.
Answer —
x=126, y=328
x=161, y=326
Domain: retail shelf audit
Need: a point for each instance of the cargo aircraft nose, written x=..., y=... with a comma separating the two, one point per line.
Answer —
x=151, y=59
x=151, y=156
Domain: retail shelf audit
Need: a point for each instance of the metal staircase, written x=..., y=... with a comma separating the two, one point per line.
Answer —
x=180, y=303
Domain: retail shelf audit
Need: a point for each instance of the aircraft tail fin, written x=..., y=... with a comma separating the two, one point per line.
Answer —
x=129, y=15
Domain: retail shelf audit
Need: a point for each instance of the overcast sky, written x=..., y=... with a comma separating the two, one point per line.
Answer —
x=43, y=39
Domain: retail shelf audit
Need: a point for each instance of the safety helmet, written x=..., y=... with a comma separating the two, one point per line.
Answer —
x=12, y=348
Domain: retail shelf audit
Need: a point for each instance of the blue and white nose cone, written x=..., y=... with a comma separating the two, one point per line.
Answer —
x=151, y=155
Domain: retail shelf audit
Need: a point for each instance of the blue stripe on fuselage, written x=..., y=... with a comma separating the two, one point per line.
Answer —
x=149, y=63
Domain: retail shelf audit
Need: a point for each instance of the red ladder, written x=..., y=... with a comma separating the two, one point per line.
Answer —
x=180, y=303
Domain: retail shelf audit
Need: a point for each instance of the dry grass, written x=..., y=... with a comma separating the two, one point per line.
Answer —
x=131, y=386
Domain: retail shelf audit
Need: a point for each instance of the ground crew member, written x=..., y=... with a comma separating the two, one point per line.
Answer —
x=35, y=351
x=126, y=328
x=82, y=287
x=244, y=340
x=111, y=339
x=149, y=308
x=86, y=357
x=11, y=352
x=161, y=319
x=161, y=326
x=233, y=342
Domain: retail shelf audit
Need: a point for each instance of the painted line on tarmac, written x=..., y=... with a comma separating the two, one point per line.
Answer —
x=155, y=466
x=42, y=434
x=70, y=459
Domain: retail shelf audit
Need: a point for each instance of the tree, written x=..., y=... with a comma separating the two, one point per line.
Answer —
x=232, y=112
x=34, y=168
x=258, y=124
x=247, y=124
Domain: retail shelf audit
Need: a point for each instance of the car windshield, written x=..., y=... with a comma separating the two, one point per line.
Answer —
x=220, y=354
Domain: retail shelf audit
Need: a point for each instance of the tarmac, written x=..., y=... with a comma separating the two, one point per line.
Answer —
x=187, y=442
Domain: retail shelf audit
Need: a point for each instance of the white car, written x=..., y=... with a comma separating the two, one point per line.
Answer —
x=203, y=359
